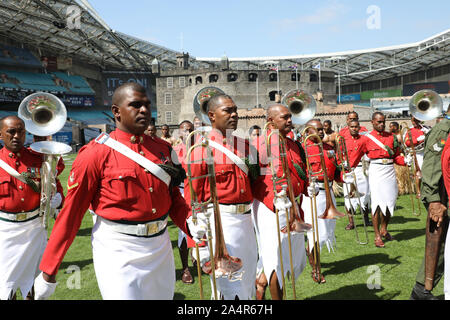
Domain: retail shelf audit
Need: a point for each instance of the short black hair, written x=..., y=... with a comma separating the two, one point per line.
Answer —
x=377, y=113
x=185, y=121
x=253, y=128
x=214, y=101
x=10, y=117
x=165, y=125
x=327, y=121
x=120, y=91
x=395, y=124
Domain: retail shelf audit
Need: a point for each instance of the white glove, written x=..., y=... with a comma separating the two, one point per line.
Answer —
x=203, y=253
x=408, y=160
x=349, y=178
x=56, y=200
x=198, y=230
x=43, y=289
x=282, y=204
x=313, y=189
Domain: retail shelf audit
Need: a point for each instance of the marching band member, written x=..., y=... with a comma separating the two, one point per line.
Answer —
x=435, y=201
x=264, y=207
x=233, y=192
x=185, y=128
x=22, y=233
x=355, y=144
x=352, y=116
x=326, y=227
x=418, y=132
x=123, y=179
x=383, y=150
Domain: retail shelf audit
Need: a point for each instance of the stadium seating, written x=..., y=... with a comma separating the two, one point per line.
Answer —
x=17, y=56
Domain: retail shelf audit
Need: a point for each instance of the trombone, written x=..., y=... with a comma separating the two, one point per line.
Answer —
x=342, y=153
x=222, y=264
x=330, y=211
x=414, y=170
x=289, y=199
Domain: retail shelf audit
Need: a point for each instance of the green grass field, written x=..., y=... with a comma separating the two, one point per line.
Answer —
x=353, y=271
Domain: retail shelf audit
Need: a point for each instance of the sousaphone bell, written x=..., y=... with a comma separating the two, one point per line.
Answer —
x=426, y=105
x=201, y=100
x=302, y=105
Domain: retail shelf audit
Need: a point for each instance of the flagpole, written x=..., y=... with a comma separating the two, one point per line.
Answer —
x=257, y=92
x=278, y=79
x=320, y=78
x=296, y=77
x=339, y=86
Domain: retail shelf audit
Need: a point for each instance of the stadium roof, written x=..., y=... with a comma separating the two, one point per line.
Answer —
x=44, y=24
x=52, y=25
x=363, y=65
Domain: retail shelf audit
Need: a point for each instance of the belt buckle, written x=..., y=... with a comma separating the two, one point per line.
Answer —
x=242, y=208
x=384, y=161
x=21, y=217
x=152, y=228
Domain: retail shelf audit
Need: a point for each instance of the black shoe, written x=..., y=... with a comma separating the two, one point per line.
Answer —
x=420, y=293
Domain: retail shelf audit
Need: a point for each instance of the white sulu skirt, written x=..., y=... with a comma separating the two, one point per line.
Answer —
x=326, y=226
x=265, y=220
x=383, y=187
x=363, y=189
x=132, y=268
x=21, y=248
x=240, y=241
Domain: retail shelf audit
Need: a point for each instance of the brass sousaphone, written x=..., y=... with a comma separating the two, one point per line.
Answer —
x=201, y=100
x=302, y=105
x=44, y=114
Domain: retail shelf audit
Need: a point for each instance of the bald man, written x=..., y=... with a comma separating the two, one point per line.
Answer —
x=234, y=160
x=267, y=202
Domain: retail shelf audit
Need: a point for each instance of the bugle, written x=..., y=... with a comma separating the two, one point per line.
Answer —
x=222, y=264
x=342, y=154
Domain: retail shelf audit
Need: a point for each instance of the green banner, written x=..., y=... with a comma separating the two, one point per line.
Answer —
x=367, y=95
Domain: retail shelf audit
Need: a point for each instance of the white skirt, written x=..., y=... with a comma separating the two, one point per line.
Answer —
x=240, y=241
x=21, y=248
x=419, y=156
x=132, y=268
x=265, y=220
x=383, y=187
x=363, y=189
x=326, y=227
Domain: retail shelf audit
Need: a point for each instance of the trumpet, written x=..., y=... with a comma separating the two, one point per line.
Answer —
x=222, y=264
x=414, y=170
x=342, y=154
x=330, y=211
x=288, y=199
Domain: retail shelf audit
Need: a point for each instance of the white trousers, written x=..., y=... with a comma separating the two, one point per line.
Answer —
x=21, y=248
x=132, y=268
x=363, y=189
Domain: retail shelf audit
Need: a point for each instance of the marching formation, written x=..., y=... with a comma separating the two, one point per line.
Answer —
x=252, y=212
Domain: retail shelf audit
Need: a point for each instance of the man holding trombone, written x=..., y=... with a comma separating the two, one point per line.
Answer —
x=227, y=189
x=278, y=219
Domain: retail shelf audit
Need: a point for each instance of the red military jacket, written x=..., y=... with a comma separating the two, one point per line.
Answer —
x=345, y=132
x=233, y=185
x=263, y=187
x=376, y=152
x=418, y=137
x=356, y=148
x=116, y=188
x=331, y=163
x=446, y=165
x=16, y=196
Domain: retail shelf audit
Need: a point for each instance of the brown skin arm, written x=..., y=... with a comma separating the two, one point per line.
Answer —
x=49, y=278
x=436, y=212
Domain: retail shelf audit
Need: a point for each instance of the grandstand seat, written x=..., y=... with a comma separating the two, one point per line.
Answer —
x=17, y=56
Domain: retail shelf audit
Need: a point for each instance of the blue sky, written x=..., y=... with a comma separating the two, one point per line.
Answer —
x=249, y=28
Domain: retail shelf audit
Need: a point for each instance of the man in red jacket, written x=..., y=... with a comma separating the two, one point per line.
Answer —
x=22, y=234
x=128, y=180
